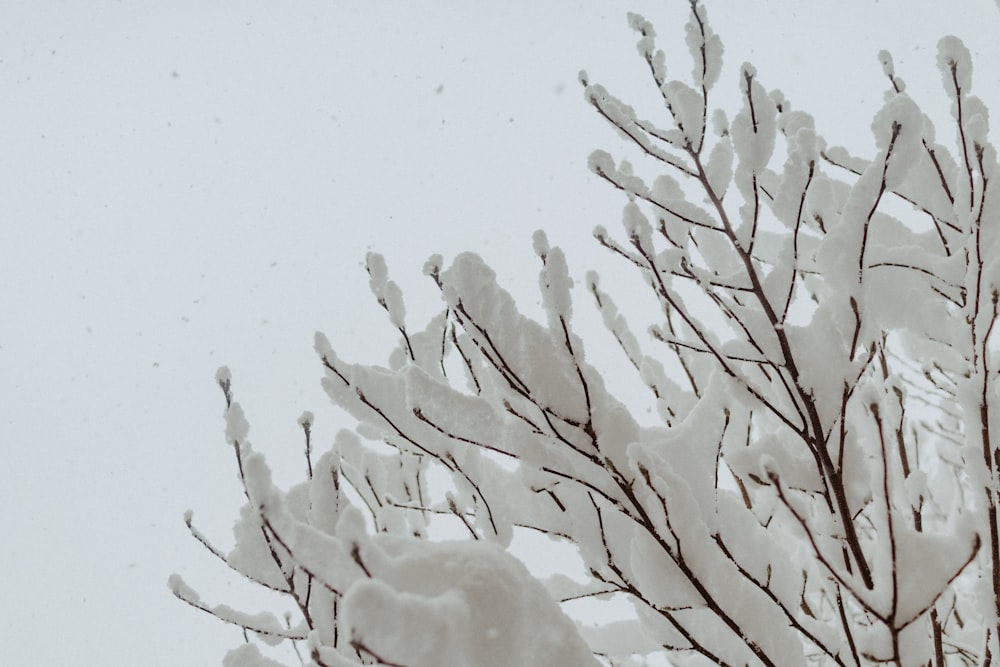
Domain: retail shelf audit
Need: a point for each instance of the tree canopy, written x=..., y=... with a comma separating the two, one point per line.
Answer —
x=820, y=483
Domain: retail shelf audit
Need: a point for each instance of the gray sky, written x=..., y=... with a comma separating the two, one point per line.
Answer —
x=193, y=184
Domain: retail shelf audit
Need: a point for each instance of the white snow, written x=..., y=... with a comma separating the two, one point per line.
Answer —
x=248, y=655
x=237, y=426
x=703, y=73
x=457, y=604
x=223, y=375
x=955, y=64
x=753, y=129
x=555, y=283
x=907, y=148
x=688, y=108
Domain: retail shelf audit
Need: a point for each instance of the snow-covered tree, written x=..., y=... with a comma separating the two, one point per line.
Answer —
x=820, y=485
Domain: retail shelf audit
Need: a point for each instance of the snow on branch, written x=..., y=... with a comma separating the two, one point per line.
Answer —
x=818, y=483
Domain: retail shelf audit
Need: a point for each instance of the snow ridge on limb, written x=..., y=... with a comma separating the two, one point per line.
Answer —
x=455, y=604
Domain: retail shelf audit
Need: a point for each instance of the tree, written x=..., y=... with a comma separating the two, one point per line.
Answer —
x=822, y=483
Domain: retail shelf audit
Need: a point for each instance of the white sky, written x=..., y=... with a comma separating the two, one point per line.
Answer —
x=190, y=184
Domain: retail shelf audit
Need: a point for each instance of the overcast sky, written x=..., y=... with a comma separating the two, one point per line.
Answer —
x=190, y=184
